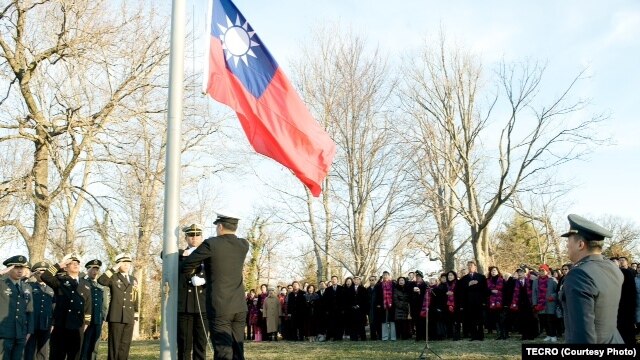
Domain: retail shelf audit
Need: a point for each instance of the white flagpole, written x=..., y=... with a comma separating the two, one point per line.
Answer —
x=168, y=335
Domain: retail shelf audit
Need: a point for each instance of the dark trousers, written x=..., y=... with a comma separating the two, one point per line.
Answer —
x=473, y=323
x=119, y=340
x=528, y=324
x=356, y=325
x=90, y=342
x=335, y=329
x=227, y=332
x=66, y=343
x=421, y=327
x=375, y=328
x=37, y=346
x=548, y=321
x=11, y=349
x=192, y=336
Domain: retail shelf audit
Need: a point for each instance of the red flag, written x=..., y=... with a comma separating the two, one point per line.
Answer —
x=242, y=74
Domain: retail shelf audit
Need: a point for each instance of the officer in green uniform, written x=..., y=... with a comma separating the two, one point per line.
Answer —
x=43, y=296
x=92, y=334
x=16, y=308
x=122, y=306
x=223, y=257
x=590, y=293
x=72, y=312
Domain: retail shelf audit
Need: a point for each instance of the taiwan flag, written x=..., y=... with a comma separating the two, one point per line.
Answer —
x=241, y=73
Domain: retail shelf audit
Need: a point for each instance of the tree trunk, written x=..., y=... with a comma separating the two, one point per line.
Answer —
x=38, y=242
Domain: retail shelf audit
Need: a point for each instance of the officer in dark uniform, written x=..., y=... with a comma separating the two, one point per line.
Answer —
x=72, y=312
x=43, y=296
x=121, y=317
x=590, y=293
x=92, y=334
x=192, y=307
x=223, y=257
x=16, y=308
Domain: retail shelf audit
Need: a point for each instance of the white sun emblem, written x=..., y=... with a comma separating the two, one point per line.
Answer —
x=236, y=40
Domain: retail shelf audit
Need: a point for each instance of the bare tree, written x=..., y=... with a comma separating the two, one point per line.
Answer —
x=72, y=69
x=349, y=89
x=536, y=135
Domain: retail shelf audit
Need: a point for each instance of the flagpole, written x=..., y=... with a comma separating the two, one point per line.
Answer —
x=168, y=335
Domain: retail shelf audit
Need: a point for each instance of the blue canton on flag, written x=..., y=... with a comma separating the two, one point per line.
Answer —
x=245, y=54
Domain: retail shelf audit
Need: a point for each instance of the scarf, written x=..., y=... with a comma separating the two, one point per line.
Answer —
x=516, y=293
x=451, y=286
x=387, y=294
x=425, y=303
x=495, y=299
x=542, y=293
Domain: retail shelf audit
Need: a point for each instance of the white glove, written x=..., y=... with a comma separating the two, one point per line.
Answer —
x=188, y=251
x=197, y=280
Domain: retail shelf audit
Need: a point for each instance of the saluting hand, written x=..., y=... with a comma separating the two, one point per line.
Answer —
x=65, y=261
x=116, y=267
x=4, y=271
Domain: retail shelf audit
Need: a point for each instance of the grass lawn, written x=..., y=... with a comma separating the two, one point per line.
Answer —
x=370, y=350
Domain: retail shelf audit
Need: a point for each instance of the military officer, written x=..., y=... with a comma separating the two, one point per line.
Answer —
x=590, y=293
x=16, y=308
x=92, y=334
x=43, y=295
x=122, y=306
x=72, y=312
x=192, y=307
x=223, y=257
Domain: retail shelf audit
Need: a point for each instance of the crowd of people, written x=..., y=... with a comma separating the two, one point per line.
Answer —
x=452, y=307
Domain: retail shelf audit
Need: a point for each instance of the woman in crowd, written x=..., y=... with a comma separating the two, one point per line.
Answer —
x=401, y=297
x=252, y=314
x=438, y=309
x=271, y=312
x=452, y=316
x=495, y=284
x=311, y=299
x=384, y=307
x=522, y=307
x=418, y=289
x=262, y=323
x=544, y=299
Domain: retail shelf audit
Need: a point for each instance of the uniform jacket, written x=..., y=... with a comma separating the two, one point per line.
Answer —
x=98, y=309
x=123, y=294
x=590, y=295
x=223, y=257
x=637, y=298
x=16, y=309
x=188, y=295
x=43, y=300
x=73, y=299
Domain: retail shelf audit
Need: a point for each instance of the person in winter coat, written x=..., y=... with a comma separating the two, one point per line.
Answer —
x=544, y=298
x=452, y=314
x=495, y=284
x=401, y=300
x=271, y=312
x=385, y=308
